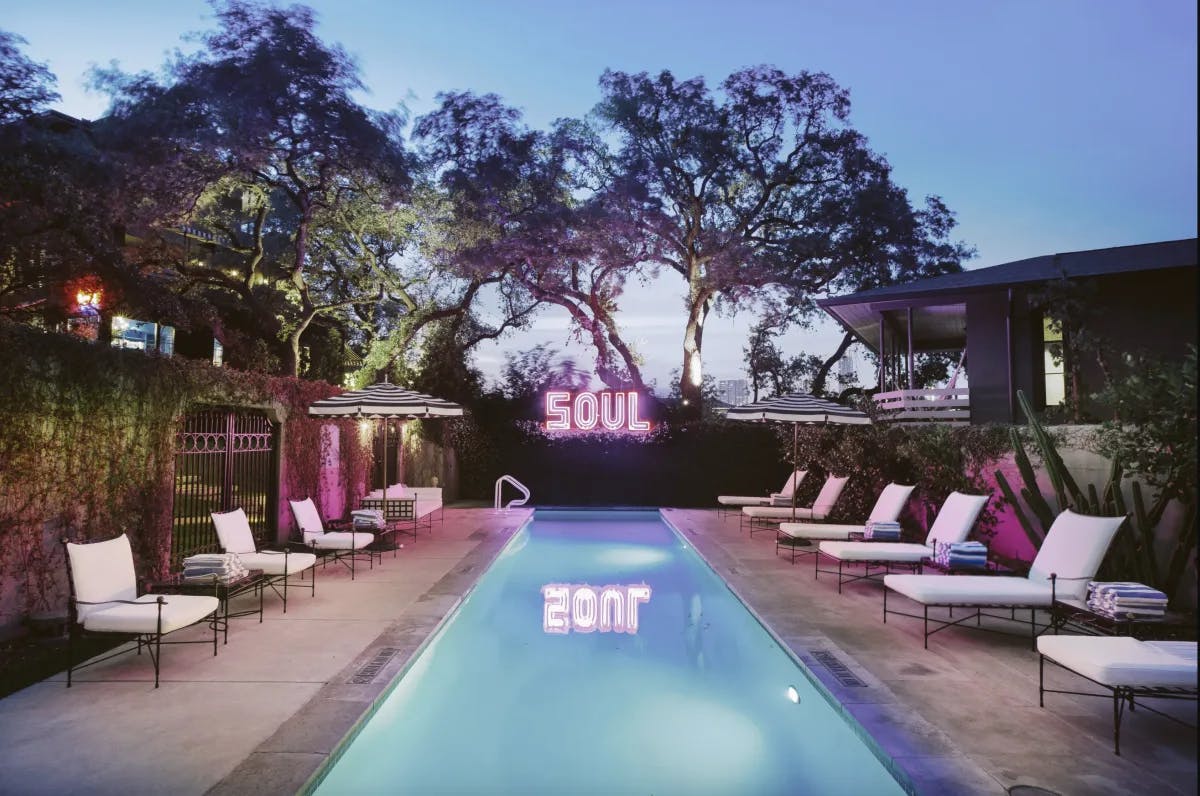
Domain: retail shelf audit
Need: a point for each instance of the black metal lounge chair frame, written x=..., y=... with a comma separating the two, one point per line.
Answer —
x=152, y=641
x=1122, y=695
x=810, y=545
x=883, y=567
x=273, y=582
x=979, y=613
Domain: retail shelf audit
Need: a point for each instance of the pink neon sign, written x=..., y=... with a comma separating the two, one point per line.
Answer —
x=585, y=411
x=590, y=609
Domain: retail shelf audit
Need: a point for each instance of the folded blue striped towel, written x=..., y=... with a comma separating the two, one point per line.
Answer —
x=882, y=529
x=1126, y=591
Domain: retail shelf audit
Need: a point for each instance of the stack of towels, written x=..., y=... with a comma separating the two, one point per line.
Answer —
x=960, y=555
x=368, y=519
x=1127, y=601
x=883, y=531
x=223, y=567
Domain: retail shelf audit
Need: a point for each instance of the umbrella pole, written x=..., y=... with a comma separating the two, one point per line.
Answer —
x=795, y=431
x=385, y=475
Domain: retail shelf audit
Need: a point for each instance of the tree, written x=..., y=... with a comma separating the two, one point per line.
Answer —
x=26, y=87
x=762, y=186
x=768, y=369
x=261, y=131
x=517, y=213
x=529, y=373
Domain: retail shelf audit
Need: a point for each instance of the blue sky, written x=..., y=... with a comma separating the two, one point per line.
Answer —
x=1046, y=126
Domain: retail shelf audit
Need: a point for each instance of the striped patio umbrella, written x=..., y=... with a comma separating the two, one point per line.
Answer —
x=797, y=408
x=380, y=402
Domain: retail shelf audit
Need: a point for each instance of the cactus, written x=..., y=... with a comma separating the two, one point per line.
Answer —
x=1133, y=550
x=1035, y=535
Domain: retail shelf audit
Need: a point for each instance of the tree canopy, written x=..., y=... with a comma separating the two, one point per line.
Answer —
x=318, y=236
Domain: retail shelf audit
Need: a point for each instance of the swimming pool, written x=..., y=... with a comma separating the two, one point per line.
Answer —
x=696, y=701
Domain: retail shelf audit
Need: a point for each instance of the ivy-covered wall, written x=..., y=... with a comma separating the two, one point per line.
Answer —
x=87, y=443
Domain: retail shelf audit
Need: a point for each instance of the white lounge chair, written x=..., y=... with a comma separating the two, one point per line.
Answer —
x=1130, y=669
x=235, y=536
x=953, y=524
x=727, y=502
x=104, y=599
x=887, y=508
x=1069, y=557
x=768, y=517
x=408, y=504
x=343, y=546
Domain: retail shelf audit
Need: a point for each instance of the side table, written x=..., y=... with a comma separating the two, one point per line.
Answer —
x=223, y=591
x=1077, y=616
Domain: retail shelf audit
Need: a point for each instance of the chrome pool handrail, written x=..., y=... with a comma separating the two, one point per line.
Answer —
x=521, y=501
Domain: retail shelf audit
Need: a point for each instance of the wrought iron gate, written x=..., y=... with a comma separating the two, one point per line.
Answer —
x=224, y=459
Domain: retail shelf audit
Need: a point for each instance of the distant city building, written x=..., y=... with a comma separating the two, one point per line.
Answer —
x=734, y=392
x=848, y=370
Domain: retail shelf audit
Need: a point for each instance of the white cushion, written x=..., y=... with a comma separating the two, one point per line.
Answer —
x=831, y=490
x=179, y=610
x=308, y=518
x=970, y=589
x=272, y=563
x=397, y=491
x=102, y=571
x=743, y=500
x=876, y=551
x=956, y=518
x=789, y=486
x=233, y=532
x=891, y=502
x=1073, y=549
x=1121, y=660
x=341, y=540
x=819, y=530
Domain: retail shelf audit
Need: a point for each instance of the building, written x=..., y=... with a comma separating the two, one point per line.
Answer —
x=1131, y=299
x=733, y=392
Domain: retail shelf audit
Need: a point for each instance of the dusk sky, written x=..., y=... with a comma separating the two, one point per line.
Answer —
x=1049, y=125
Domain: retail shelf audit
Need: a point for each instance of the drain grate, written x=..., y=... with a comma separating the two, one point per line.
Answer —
x=371, y=669
x=839, y=670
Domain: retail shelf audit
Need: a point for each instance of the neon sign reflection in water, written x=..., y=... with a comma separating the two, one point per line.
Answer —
x=585, y=609
x=585, y=411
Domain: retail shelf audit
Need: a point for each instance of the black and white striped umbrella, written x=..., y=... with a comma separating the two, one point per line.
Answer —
x=384, y=400
x=381, y=401
x=797, y=408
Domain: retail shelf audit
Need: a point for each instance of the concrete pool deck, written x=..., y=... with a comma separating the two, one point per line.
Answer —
x=262, y=717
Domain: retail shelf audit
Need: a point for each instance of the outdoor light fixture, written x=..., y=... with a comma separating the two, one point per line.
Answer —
x=793, y=695
x=88, y=301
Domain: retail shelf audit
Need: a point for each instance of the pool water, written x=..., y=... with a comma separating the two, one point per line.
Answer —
x=696, y=702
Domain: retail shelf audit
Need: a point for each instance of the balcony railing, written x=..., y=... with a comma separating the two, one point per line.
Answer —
x=949, y=405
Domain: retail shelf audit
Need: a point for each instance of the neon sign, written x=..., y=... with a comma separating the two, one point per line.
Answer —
x=585, y=411
x=588, y=609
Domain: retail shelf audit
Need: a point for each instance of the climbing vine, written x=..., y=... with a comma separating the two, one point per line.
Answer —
x=87, y=444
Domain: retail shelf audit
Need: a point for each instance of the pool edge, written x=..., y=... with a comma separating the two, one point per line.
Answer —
x=902, y=777
x=318, y=776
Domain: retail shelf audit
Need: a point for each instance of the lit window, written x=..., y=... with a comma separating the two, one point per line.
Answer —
x=1052, y=363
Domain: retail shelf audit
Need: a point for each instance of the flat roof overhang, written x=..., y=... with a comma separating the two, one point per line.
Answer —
x=938, y=323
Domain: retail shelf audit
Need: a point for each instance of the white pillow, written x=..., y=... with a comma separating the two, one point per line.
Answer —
x=233, y=531
x=102, y=571
x=307, y=518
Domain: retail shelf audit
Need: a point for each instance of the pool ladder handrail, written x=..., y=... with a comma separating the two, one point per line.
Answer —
x=521, y=501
